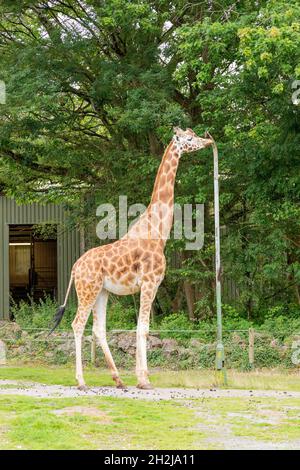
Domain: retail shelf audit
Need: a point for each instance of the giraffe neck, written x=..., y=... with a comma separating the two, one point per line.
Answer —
x=156, y=222
x=163, y=189
x=161, y=207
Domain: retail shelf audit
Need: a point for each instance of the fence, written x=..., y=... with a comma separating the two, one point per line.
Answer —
x=250, y=332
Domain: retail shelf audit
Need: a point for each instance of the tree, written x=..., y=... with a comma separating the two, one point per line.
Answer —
x=94, y=89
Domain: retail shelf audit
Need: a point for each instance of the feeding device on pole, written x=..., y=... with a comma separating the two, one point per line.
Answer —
x=220, y=355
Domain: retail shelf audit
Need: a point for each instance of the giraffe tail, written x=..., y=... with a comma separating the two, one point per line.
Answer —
x=61, y=310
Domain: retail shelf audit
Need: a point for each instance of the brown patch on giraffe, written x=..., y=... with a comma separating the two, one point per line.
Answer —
x=108, y=247
x=164, y=195
x=117, y=275
x=170, y=177
x=158, y=270
x=167, y=167
x=146, y=257
x=97, y=265
x=157, y=261
x=136, y=254
x=136, y=267
x=129, y=279
x=155, y=267
x=123, y=270
x=147, y=262
x=163, y=180
x=113, y=268
x=127, y=259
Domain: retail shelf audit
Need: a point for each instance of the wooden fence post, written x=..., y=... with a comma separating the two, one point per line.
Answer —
x=251, y=347
x=93, y=349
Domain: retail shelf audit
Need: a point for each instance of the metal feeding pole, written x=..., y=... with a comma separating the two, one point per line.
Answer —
x=220, y=356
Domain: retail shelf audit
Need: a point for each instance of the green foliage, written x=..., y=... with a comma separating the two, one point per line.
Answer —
x=195, y=342
x=120, y=317
x=91, y=102
x=233, y=320
x=280, y=327
x=40, y=315
x=177, y=323
x=45, y=231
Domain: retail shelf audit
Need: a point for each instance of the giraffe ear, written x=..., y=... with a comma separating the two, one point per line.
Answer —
x=191, y=130
x=177, y=130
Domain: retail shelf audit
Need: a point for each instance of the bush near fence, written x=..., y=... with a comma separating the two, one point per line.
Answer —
x=174, y=342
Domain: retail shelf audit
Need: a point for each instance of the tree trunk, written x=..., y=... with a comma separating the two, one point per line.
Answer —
x=190, y=299
x=291, y=258
x=82, y=241
x=177, y=302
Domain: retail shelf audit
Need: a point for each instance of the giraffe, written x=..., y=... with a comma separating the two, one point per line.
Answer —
x=134, y=263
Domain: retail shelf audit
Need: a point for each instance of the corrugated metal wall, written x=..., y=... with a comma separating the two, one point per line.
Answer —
x=68, y=243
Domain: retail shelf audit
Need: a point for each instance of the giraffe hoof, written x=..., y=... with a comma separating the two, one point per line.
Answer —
x=82, y=388
x=145, y=386
x=120, y=384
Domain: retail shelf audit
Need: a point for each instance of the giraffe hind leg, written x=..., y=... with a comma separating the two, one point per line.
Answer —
x=78, y=326
x=99, y=330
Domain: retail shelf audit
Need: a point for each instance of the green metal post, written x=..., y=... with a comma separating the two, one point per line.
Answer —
x=220, y=356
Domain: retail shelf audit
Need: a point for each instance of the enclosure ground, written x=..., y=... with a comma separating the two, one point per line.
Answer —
x=41, y=408
x=263, y=379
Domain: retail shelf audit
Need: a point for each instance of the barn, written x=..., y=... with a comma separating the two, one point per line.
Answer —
x=31, y=264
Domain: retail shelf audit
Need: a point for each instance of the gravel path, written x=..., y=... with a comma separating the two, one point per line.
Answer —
x=10, y=387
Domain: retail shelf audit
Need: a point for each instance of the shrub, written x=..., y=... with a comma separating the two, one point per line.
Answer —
x=120, y=317
x=232, y=319
x=281, y=326
x=40, y=315
x=178, y=323
x=272, y=342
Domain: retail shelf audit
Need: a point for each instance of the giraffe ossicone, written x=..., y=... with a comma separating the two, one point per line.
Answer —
x=135, y=263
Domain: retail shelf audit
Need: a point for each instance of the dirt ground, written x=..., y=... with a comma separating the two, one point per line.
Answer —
x=11, y=387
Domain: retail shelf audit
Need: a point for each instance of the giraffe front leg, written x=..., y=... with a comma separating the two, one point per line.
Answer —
x=141, y=357
x=147, y=296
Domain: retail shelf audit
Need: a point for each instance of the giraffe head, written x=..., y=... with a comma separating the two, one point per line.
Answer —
x=188, y=141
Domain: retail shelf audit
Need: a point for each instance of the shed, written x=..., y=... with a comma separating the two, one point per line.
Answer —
x=28, y=264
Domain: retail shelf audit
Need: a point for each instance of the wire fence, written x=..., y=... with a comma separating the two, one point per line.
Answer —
x=61, y=336
x=89, y=332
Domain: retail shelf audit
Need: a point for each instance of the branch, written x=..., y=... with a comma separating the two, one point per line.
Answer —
x=21, y=160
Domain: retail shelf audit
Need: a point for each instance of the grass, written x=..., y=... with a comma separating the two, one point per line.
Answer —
x=255, y=380
x=123, y=423
x=261, y=420
x=112, y=423
x=32, y=424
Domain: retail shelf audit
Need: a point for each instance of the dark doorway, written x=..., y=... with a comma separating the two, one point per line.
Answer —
x=32, y=263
